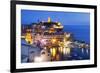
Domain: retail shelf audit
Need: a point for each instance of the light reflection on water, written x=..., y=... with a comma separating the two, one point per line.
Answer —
x=75, y=54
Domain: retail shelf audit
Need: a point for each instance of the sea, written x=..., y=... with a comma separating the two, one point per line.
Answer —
x=80, y=32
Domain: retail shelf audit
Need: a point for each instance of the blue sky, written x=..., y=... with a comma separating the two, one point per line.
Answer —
x=66, y=18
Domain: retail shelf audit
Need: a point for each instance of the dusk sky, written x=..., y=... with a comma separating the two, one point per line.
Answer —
x=66, y=18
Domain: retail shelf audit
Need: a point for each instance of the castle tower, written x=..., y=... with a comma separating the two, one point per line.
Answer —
x=49, y=19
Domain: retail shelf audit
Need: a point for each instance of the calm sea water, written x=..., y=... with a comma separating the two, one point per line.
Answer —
x=80, y=32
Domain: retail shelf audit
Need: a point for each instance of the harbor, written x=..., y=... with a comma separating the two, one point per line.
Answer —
x=47, y=41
